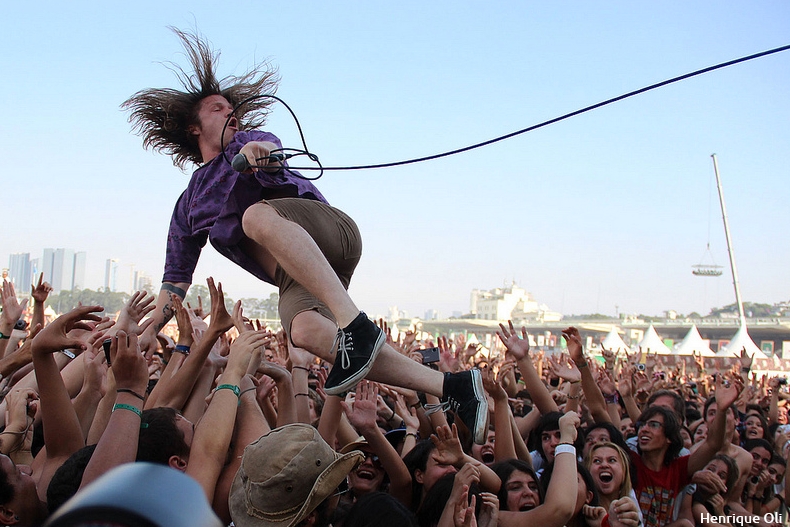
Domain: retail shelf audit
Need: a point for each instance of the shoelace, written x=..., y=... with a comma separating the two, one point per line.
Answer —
x=449, y=404
x=344, y=342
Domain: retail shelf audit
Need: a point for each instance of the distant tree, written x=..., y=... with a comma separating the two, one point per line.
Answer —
x=67, y=300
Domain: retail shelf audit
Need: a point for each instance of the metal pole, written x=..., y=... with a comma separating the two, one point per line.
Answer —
x=730, y=250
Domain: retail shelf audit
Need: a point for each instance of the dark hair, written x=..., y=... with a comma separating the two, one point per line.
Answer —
x=160, y=438
x=671, y=430
x=733, y=473
x=417, y=459
x=163, y=116
x=678, y=403
x=379, y=509
x=505, y=469
x=431, y=508
x=711, y=400
x=547, y=423
x=751, y=444
x=615, y=436
x=68, y=477
x=7, y=492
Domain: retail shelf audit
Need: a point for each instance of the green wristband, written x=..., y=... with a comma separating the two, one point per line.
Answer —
x=232, y=387
x=121, y=406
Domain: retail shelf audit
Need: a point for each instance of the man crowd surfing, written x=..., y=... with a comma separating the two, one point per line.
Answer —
x=333, y=420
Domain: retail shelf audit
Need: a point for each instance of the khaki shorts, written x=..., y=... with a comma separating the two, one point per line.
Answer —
x=336, y=235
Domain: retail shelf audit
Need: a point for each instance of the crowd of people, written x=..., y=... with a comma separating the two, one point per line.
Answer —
x=336, y=420
x=245, y=415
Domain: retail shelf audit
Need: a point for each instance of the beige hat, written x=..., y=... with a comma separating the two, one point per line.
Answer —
x=285, y=475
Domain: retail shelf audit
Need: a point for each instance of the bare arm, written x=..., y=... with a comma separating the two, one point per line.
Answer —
x=162, y=313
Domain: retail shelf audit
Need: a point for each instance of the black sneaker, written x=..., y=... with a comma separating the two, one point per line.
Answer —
x=357, y=346
x=464, y=393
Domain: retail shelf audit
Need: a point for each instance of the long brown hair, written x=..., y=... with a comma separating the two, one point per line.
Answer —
x=163, y=116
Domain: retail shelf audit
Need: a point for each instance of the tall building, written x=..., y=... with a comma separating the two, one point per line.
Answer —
x=509, y=303
x=20, y=271
x=142, y=281
x=63, y=269
x=111, y=275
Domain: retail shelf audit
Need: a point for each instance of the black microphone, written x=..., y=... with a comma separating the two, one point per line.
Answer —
x=240, y=163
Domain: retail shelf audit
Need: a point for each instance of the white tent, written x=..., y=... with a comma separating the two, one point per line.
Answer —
x=693, y=343
x=652, y=343
x=739, y=341
x=613, y=342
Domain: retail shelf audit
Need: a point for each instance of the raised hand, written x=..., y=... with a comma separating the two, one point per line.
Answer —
x=565, y=369
x=362, y=413
x=12, y=309
x=448, y=446
x=221, y=320
x=184, y=322
x=745, y=360
x=129, y=366
x=40, y=292
x=517, y=347
x=58, y=335
x=574, y=342
x=138, y=306
x=727, y=391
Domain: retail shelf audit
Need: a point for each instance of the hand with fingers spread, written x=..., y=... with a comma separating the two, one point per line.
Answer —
x=492, y=387
x=448, y=446
x=198, y=310
x=60, y=334
x=138, y=306
x=221, y=320
x=184, y=323
x=464, y=510
x=566, y=369
x=12, y=308
x=362, y=413
x=517, y=347
x=241, y=322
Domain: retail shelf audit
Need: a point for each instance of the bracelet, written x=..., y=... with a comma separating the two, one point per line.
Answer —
x=304, y=394
x=232, y=387
x=611, y=399
x=181, y=348
x=565, y=448
x=574, y=382
x=407, y=434
x=579, y=396
x=68, y=353
x=301, y=368
x=581, y=365
x=247, y=390
x=4, y=336
x=744, y=369
x=126, y=390
x=392, y=416
x=121, y=406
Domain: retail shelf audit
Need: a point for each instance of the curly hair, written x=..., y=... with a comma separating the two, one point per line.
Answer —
x=163, y=116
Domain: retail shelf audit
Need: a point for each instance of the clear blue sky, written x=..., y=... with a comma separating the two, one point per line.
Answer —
x=609, y=208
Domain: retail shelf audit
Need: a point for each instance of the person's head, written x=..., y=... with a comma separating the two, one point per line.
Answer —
x=761, y=452
x=725, y=468
x=709, y=413
x=379, y=509
x=19, y=502
x=548, y=434
x=286, y=477
x=432, y=507
x=68, y=477
x=520, y=489
x=369, y=476
x=700, y=433
x=174, y=122
x=165, y=438
x=755, y=426
x=627, y=427
x=776, y=469
x=485, y=452
x=658, y=429
x=671, y=400
x=600, y=433
x=424, y=469
x=610, y=468
x=781, y=414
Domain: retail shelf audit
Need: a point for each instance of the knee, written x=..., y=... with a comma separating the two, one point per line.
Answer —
x=314, y=333
x=258, y=219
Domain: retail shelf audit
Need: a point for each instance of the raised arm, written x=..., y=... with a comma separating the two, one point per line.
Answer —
x=518, y=348
x=727, y=392
x=592, y=393
x=162, y=313
x=12, y=311
x=39, y=294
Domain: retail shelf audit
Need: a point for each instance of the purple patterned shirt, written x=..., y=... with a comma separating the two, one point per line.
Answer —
x=212, y=207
